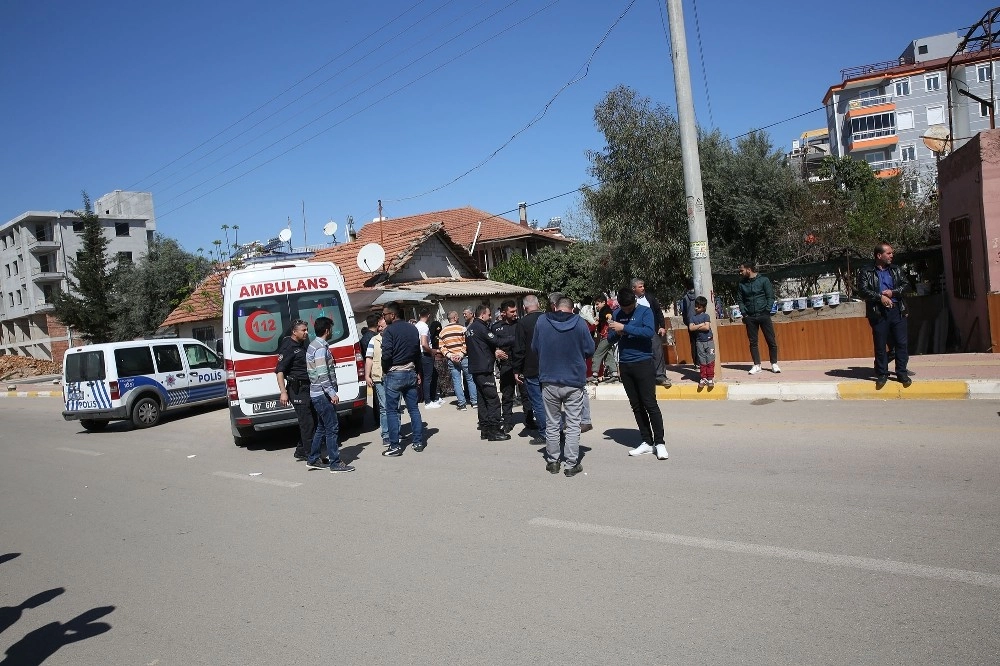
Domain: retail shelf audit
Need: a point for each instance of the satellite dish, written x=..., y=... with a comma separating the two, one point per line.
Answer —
x=285, y=235
x=937, y=139
x=371, y=257
x=330, y=228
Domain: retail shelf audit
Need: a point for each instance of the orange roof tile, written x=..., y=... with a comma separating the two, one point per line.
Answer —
x=460, y=223
x=204, y=303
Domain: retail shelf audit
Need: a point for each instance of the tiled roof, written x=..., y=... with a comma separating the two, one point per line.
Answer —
x=204, y=303
x=461, y=225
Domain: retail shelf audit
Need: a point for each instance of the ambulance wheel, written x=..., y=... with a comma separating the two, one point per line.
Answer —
x=146, y=413
x=94, y=425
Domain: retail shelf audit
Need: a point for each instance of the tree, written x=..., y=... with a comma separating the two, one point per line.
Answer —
x=87, y=305
x=573, y=272
x=147, y=291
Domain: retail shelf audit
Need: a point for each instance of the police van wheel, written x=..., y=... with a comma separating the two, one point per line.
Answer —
x=146, y=413
x=94, y=425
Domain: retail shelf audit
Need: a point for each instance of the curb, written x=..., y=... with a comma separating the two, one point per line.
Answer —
x=922, y=390
x=31, y=394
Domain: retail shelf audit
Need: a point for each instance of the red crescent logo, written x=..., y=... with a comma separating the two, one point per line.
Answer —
x=248, y=326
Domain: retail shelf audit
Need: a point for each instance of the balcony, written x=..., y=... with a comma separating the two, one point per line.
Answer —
x=38, y=275
x=866, y=102
x=874, y=138
x=44, y=245
x=885, y=168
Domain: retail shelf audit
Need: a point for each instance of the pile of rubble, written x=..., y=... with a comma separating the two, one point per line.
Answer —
x=24, y=367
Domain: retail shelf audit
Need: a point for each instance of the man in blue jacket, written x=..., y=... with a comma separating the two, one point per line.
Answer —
x=563, y=344
x=631, y=326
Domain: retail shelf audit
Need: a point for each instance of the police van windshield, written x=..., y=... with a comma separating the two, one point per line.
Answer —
x=85, y=366
x=260, y=323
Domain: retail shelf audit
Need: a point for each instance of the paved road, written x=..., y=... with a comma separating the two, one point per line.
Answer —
x=776, y=533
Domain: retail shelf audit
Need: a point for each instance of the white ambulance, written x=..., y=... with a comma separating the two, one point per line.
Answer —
x=138, y=381
x=260, y=303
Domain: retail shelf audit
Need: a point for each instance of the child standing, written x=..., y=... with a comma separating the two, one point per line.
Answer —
x=701, y=328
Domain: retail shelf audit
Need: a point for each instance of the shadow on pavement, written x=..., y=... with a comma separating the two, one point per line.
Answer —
x=37, y=646
x=853, y=372
x=11, y=614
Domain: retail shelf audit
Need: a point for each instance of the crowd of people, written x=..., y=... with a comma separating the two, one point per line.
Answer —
x=543, y=361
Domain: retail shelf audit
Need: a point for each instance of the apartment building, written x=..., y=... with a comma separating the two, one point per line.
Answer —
x=35, y=248
x=881, y=112
x=808, y=152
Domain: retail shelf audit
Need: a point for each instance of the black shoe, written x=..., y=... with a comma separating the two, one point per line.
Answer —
x=393, y=452
x=507, y=427
x=905, y=380
x=498, y=436
x=537, y=439
x=586, y=427
x=880, y=382
x=664, y=382
x=484, y=434
x=418, y=447
x=552, y=467
x=340, y=468
x=319, y=464
x=301, y=458
x=573, y=471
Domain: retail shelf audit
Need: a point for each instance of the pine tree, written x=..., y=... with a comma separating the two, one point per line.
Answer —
x=87, y=305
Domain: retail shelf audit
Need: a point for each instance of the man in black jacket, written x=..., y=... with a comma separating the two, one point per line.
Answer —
x=402, y=368
x=642, y=297
x=503, y=329
x=884, y=288
x=526, y=364
x=293, y=382
x=482, y=346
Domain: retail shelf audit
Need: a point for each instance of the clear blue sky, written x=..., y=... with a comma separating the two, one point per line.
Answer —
x=124, y=95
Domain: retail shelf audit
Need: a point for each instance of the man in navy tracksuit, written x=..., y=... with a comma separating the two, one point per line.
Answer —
x=631, y=326
x=563, y=344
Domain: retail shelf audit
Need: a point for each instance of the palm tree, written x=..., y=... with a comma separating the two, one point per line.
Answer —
x=225, y=227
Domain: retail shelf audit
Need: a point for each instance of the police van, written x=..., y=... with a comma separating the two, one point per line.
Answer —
x=138, y=381
x=260, y=302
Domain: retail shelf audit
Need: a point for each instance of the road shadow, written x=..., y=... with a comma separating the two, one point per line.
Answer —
x=584, y=450
x=37, y=646
x=853, y=372
x=742, y=367
x=7, y=557
x=11, y=614
x=627, y=437
x=686, y=372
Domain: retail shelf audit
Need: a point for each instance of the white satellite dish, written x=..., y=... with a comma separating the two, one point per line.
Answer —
x=371, y=257
x=936, y=138
x=330, y=228
x=285, y=235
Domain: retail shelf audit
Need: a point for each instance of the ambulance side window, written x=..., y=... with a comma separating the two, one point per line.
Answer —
x=134, y=361
x=168, y=358
x=259, y=325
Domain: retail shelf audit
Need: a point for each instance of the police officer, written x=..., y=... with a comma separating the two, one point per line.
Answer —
x=293, y=381
x=483, y=350
x=503, y=329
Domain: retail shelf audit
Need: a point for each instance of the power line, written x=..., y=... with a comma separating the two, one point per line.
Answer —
x=701, y=55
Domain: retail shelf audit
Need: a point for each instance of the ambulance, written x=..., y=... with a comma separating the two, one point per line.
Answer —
x=260, y=302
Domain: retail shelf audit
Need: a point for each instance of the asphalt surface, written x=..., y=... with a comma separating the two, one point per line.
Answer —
x=777, y=532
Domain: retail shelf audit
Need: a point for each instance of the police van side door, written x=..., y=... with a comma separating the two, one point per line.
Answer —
x=206, y=380
x=171, y=373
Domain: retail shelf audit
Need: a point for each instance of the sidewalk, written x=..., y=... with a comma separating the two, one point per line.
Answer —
x=937, y=377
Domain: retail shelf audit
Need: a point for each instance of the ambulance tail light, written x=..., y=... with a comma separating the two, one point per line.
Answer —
x=231, y=389
x=113, y=386
x=359, y=360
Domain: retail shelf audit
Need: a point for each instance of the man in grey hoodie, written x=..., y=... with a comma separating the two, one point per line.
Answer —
x=563, y=344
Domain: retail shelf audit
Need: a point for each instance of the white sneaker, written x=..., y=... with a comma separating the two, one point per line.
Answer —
x=775, y=367
x=661, y=451
x=432, y=405
x=641, y=450
x=754, y=370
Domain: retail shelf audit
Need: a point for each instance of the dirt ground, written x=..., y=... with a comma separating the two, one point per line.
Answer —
x=24, y=367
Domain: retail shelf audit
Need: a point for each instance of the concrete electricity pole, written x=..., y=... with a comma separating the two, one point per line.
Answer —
x=701, y=266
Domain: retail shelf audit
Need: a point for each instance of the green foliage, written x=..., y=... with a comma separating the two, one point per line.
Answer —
x=573, y=271
x=147, y=291
x=87, y=306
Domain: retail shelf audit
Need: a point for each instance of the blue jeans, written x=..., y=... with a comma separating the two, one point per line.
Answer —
x=403, y=384
x=458, y=372
x=891, y=328
x=327, y=428
x=428, y=386
x=534, y=390
x=383, y=416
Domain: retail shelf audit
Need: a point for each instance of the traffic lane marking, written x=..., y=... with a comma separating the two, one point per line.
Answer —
x=850, y=561
x=257, y=479
x=84, y=452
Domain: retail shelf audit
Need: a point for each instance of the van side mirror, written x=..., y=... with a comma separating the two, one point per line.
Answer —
x=218, y=346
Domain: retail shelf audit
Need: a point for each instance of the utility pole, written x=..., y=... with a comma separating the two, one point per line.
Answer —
x=701, y=266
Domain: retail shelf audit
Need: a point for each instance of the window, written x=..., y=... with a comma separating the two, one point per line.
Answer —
x=7, y=268
x=124, y=257
x=204, y=334
x=984, y=72
x=935, y=115
x=984, y=110
x=932, y=82
x=49, y=292
x=133, y=361
x=961, y=258
x=168, y=358
x=19, y=301
x=78, y=226
x=907, y=153
x=46, y=263
x=911, y=186
x=42, y=232
x=875, y=156
x=15, y=266
x=85, y=367
x=870, y=127
x=121, y=229
x=922, y=49
x=79, y=256
x=261, y=322
x=902, y=87
x=199, y=357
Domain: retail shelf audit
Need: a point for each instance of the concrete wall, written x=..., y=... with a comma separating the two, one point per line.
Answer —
x=970, y=187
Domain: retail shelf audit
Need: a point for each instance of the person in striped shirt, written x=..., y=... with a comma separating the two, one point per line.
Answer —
x=323, y=393
x=452, y=346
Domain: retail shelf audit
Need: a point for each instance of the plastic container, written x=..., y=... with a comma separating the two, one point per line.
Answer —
x=833, y=298
x=734, y=312
x=787, y=304
x=817, y=300
x=801, y=303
